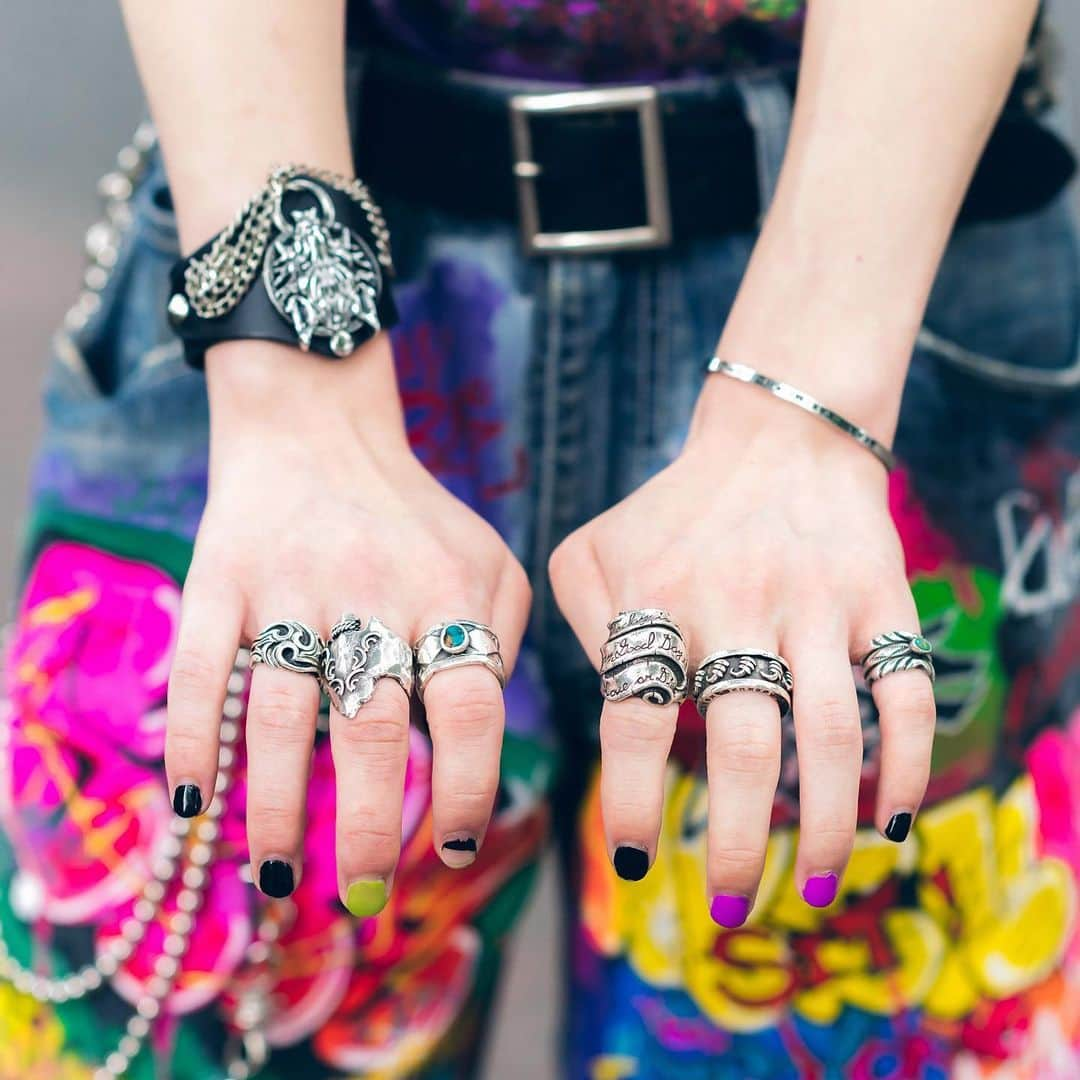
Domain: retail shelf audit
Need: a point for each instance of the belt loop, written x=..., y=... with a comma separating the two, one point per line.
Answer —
x=768, y=108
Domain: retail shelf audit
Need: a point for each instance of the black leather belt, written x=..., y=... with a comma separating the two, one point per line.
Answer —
x=625, y=167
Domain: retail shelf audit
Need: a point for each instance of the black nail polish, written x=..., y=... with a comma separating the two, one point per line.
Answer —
x=631, y=863
x=466, y=843
x=276, y=878
x=898, y=827
x=187, y=800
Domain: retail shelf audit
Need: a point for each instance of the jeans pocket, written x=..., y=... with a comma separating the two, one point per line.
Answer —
x=116, y=337
x=1005, y=308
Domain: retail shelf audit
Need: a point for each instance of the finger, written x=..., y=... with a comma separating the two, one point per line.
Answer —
x=581, y=593
x=635, y=740
x=829, y=743
x=465, y=715
x=370, y=754
x=280, y=733
x=906, y=719
x=743, y=761
x=510, y=611
x=210, y=626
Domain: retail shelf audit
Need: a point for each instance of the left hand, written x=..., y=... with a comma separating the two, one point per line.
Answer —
x=772, y=531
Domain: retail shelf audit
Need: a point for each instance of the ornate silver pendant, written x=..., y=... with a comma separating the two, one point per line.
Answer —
x=320, y=275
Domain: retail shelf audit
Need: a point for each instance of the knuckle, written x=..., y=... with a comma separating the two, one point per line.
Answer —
x=743, y=743
x=516, y=582
x=736, y=864
x=192, y=675
x=829, y=842
x=469, y=709
x=277, y=716
x=834, y=727
x=184, y=745
x=270, y=822
x=566, y=558
x=376, y=844
x=633, y=730
x=379, y=731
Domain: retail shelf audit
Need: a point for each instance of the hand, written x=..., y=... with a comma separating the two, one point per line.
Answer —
x=772, y=531
x=317, y=507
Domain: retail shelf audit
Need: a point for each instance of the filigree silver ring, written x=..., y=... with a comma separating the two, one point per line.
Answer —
x=357, y=655
x=290, y=645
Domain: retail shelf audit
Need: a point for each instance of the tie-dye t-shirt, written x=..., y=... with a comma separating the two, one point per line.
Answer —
x=593, y=40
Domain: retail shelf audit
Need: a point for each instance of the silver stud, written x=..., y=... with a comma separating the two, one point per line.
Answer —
x=178, y=308
x=234, y=708
x=341, y=344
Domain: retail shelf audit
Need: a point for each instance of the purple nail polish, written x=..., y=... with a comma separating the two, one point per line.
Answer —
x=820, y=890
x=729, y=910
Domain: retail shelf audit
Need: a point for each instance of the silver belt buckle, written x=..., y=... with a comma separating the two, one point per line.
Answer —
x=655, y=233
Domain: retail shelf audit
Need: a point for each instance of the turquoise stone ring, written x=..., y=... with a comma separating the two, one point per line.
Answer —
x=898, y=650
x=457, y=643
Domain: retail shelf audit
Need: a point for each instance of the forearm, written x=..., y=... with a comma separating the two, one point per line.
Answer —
x=896, y=100
x=236, y=88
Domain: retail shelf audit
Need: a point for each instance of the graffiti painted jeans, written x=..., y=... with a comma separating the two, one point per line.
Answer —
x=540, y=392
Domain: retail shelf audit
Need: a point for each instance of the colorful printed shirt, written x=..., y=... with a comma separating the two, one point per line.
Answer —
x=593, y=40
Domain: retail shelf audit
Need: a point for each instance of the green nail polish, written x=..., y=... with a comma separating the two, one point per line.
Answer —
x=364, y=898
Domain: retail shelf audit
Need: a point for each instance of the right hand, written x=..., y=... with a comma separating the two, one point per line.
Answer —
x=317, y=506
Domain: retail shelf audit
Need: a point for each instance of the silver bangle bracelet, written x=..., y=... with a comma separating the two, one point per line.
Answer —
x=745, y=373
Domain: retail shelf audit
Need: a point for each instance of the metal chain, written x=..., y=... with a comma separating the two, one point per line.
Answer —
x=216, y=282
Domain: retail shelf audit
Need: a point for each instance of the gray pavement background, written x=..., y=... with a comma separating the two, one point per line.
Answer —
x=69, y=100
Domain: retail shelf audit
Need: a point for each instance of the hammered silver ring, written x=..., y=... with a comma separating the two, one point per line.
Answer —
x=289, y=645
x=735, y=670
x=357, y=655
x=898, y=650
x=644, y=657
x=457, y=643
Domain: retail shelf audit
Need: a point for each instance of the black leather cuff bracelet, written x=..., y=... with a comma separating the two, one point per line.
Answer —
x=305, y=263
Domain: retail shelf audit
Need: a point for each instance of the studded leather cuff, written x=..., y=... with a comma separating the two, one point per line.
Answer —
x=306, y=262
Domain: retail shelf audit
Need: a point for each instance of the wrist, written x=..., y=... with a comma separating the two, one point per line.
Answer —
x=258, y=385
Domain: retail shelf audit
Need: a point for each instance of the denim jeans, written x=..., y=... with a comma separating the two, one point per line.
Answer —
x=541, y=391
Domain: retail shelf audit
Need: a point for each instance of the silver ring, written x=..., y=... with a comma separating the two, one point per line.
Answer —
x=898, y=650
x=457, y=643
x=357, y=656
x=290, y=645
x=735, y=670
x=644, y=657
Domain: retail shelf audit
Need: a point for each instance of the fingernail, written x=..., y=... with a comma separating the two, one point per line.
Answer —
x=366, y=897
x=631, y=863
x=730, y=910
x=820, y=890
x=187, y=800
x=276, y=878
x=898, y=828
x=459, y=851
